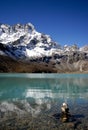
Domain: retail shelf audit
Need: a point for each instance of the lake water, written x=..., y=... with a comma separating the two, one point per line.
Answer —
x=31, y=101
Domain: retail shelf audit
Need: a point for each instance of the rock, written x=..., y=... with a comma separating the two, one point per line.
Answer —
x=70, y=125
x=65, y=115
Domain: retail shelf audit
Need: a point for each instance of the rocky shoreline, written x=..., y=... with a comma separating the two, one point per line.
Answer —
x=44, y=121
x=9, y=65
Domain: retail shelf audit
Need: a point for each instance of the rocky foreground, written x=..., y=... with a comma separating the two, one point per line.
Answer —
x=45, y=120
x=24, y=50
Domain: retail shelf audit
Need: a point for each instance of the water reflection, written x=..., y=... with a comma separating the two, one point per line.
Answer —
x=38, y=98
x=23, y=88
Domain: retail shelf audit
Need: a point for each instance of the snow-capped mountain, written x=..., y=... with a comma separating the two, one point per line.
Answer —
x=22, y=45
x=23, y=41
x=84, y=49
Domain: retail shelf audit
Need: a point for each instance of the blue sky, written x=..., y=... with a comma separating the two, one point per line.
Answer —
x=66, y=21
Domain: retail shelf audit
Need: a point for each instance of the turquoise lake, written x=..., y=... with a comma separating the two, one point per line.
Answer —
x=41, y=95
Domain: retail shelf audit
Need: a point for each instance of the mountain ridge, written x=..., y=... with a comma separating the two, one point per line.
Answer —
x=38, y=52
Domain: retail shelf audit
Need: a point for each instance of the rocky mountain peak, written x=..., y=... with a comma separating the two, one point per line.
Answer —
x=21, y=42
x=24, y=41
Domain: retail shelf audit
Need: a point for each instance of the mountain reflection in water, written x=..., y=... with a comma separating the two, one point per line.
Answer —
x=25, y=94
